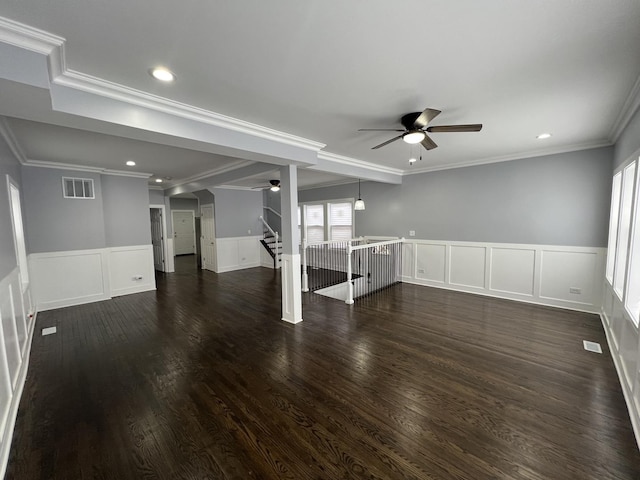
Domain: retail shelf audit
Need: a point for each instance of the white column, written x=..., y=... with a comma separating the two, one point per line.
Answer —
x=290, y=269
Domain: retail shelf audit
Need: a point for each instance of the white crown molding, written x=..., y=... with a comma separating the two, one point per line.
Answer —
x=84, y=168
x=209, y=173
x=12, y=142
x=33, y=39
x=630, y=107
x=330, y=184
x=238, y=187
x=508, y=158
x=97, y=86
x=354, y=162
x=155, y=187
x=28, y=37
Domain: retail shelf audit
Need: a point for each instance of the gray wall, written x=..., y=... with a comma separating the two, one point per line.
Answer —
x=551, y=200
x=237, y=212
x=126, y=211
x=629, y=142
x=54, y=223
x=8, y=166
x=185, y=204
x=272, y=200
x=156, y=197
x=204, y=196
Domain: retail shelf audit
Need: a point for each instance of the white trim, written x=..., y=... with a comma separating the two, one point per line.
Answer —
x=143, y=254
x=207, y=174
x=7, y=285
x=354, y=162
x=630, y=107
x=28, y=37
x=237, y=253
x=84, y=168
x=239, y=187
x=507, y=158
x=104, y=88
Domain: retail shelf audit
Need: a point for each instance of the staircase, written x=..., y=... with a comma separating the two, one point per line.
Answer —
x=274, y=248
x=272, y=242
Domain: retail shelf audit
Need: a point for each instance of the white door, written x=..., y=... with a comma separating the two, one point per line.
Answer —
x=157, y=239
x=208, y=245
x=184, y=232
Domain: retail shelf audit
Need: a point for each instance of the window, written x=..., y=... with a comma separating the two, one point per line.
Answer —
x=340, y=221
x=613, y=225
x=77, y=187
x=624, y=228
x=18, y=232
x=331, y=220
x=314, y=223
x=632, y=296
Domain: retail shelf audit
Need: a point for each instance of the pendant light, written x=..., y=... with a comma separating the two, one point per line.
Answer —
x=359, y=205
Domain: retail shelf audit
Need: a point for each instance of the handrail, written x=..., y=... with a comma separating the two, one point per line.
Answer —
x=276, y=259
x=271, y=230
x=272, y=210
x=378, y=244
x=350, y=250
x=328, y=242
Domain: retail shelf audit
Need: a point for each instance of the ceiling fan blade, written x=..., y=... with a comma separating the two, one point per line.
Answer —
x=425, y=117
x=476, y=127
x=428, y=143
x=380, y=130
x=387, y=142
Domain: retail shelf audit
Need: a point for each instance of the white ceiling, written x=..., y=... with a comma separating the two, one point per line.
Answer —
x=323, y=69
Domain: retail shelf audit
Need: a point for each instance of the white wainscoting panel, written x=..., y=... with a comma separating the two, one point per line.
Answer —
x=531, y=273
x=563, y=274
x=467, y=265
x=126, y=265
x=237, y=253
x=512, y=270
x=623, y=339
x=17, y=320
x=430, y=262
x=62, y=279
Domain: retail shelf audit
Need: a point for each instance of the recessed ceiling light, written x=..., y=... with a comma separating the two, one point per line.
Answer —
x=131, y=163
x=542, y=136
x=163, y=74
x=158, y=180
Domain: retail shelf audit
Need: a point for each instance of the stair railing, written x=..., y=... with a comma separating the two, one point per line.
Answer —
x=275, y=235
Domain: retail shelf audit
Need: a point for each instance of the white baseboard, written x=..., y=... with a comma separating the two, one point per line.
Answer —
x=233, y=268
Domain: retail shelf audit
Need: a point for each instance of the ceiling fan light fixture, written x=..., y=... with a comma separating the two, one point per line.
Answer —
x=542, y=136
x=163, y=74
x=412, y=160
x=413, y=137
x=275, y=188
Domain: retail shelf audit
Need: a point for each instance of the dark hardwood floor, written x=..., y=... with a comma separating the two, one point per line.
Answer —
x=201, y=380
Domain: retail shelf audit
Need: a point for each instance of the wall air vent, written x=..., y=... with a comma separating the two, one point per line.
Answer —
x=77, y=187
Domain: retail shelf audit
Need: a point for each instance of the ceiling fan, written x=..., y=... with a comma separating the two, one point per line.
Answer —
x=274, y=186
x=415, y=129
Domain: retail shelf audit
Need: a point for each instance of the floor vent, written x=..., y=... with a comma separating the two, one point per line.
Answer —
x=592, y=346
x=48, y=331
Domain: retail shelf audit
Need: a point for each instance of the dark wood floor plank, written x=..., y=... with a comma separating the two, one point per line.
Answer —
x=201, y=380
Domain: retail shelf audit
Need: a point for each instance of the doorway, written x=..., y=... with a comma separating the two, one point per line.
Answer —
x=184, y=232
x=160, y=247
x=208, y=237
